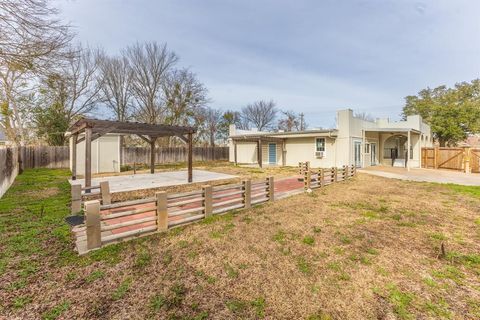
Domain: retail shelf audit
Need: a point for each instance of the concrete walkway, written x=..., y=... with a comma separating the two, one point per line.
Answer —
x=123, y=183
x=425, y=175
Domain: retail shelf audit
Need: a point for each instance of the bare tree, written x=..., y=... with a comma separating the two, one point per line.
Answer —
x=184, y=94
x=213, y=119
x=291, y=121
x=149, y=64
x=75, y=87
x=364, y=116
x=260, y=114
x=30, y=33
x=115, y=82
x=15, y=97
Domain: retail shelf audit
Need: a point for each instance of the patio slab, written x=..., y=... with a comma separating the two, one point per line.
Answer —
x=425, y=175
x=123, y=183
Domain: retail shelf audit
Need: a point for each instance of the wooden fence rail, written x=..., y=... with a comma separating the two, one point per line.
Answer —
x=107, y=223
x=462, y=159
x=317, y=178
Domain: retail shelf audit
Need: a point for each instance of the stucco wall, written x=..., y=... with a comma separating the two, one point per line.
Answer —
x=303, y=149
x=105, y=155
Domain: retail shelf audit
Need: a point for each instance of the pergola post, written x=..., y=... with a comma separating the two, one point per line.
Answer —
x=74, y=156
x=152, y=154
x=88, y=158
x=190, y=157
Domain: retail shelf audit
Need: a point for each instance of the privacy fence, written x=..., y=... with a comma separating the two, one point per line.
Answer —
x=107, y=222
x=9, y=168
x=141, y=155
x=461, y=159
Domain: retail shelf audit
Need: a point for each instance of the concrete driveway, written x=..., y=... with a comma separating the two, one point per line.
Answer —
x=425, y=175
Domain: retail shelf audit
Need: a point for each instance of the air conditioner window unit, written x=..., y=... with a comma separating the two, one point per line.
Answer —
x=319, y=154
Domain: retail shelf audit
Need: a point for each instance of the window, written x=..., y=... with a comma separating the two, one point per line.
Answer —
x=367, y=147
x=320, y=144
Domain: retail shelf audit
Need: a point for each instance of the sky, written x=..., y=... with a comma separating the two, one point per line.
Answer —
x=312, y=56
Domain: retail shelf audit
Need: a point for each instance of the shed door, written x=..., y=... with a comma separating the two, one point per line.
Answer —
x=272, y=153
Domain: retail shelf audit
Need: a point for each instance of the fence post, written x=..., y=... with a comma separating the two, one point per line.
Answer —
x=247, y=193
x=345, y=172
x=162, y=214
x=270, y=189
x=105, y=192
x=92, y=222
x=467, y=157
x=435, y=157
x=321, y=177
x=76, y=198
x=354, y=170
x=207, y=200
x=335, y=173
x=307, y=179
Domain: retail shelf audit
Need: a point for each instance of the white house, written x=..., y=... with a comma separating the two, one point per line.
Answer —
x=354, y=142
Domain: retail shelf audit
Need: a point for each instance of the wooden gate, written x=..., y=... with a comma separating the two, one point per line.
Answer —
x=462, y=159
x=475, y=160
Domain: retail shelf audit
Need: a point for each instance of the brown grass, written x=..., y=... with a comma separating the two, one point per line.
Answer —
x=361, y=249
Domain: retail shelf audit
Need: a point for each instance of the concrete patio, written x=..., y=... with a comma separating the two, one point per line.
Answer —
x=121, y=183
x=425, y=175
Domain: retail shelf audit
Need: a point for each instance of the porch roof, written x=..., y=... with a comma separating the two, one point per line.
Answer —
x=279, y=136
x=392, y=130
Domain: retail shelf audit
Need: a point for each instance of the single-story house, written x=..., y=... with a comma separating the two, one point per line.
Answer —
x=355, y=141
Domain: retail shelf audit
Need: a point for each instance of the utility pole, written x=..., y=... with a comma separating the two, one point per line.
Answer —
x=302, y=123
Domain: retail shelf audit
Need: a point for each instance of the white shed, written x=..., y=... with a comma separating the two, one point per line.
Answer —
x=105, y=154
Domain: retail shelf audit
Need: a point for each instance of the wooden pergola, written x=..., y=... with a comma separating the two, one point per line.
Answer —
x=94, y=129
x=259, y=140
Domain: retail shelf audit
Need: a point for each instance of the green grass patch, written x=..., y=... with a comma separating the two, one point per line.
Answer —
x=122, y=290
x=304, y=266
x=95, y=275
x=468, y=190
x=56, y=311
x=400, y=301
x=309, y=240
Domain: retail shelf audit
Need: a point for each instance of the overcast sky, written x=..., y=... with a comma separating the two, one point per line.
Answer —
x=308, y=56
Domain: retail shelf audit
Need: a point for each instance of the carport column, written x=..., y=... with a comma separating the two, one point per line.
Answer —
x=259, y=153
x=235, y=151
x=362, y=150
x=409, y=142
x=88, y=159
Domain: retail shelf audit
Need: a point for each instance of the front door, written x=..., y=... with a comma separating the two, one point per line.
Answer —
x=358, y=154
x=272, y=153
x=373, y=154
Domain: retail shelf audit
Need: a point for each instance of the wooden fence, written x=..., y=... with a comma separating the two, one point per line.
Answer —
x=107, y=223
x=317, y=178
x=9, y=168
x=462, y=159
x=45, y=157
x=131, y=155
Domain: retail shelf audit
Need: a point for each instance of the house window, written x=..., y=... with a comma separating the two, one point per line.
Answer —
x=320, y=144
x=367, y=147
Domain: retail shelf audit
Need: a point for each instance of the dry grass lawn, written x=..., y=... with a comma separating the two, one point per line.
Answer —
x=367, y=248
